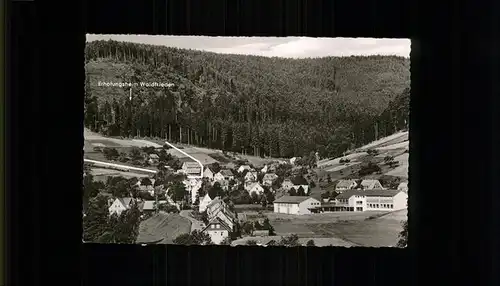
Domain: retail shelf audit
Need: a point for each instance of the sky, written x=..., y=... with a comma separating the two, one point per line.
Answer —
x=289, y=47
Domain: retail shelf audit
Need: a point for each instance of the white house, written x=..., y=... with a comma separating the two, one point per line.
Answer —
x=119, y=205
x=371, y=200
x=209, y=174
x=292, y=160
x=204, y=202
x=269, y=179
x=296, y=205
x=191, y=168
x=403, y=186
x=343, y=185
x=193, y=185
x=217, y=230
x=242, y=168
x=254, y=187
x=287, y=184
x=264, y=169
x=370, y=184
x=251, y=177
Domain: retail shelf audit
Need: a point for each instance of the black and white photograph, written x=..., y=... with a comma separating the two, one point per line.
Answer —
x=266, y=141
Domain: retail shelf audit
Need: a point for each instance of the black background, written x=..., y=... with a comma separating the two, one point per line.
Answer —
x=454, y=144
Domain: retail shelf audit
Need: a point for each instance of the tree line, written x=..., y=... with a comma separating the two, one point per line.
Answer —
x=253, y=105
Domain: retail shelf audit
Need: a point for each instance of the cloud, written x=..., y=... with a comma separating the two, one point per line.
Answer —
x=290, y=47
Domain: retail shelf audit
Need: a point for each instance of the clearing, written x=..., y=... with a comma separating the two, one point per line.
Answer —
x=391, y=139
x=318, y=241
x=163, y=228
x=379, y=232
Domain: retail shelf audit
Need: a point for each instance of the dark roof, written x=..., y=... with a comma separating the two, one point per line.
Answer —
x=368, y=193
x=292, y=199
x=226, y=173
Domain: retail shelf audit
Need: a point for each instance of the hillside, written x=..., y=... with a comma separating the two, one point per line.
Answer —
x=254, y=105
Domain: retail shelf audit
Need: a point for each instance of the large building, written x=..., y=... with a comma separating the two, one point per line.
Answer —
x=296, y=205
x=191, y=168
x=371, y=200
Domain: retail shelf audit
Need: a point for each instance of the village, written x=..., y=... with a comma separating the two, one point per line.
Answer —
x=239, y=203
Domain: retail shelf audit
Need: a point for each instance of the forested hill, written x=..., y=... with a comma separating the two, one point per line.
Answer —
x=257, y=105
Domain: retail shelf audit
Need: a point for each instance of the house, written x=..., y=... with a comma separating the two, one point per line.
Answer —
x=254, y=188
x=371, y=200
x=251, y=177
x=209, y=174
x=120, y=204
x=287, y=184
x=218, y=208
x=293, y=160
x=192, y=186
x=191, y=168
x=265, y=169
x=370, y=184
x=224, y=175
x=218, y=230
x=269, y=179
x=403, y=186
x=296, y=205
x=304, y=187
x=343, y=185
x=204, y=202
x=153, y=159
x=242, y=168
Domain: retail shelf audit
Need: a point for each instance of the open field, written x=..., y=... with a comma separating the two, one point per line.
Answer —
x=163, y=228
x=336, y=229
x=405, y=144
x=391, y=139
x=332, y=162
x=341, y=167
x=319, y=241
x=94, y=138
x=101, y=174
x=378, y=232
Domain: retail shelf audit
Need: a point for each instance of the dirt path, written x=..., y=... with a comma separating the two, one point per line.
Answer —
x=195, y=224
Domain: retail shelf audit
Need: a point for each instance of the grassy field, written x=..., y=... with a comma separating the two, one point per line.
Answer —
x=101, y=174
x=163, y=228
x=318, y=241
x=391, y=139
x=350, y=227
x=378, y=232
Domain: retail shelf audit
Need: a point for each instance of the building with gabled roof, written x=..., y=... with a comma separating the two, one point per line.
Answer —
x=296, y=205
x=370, y=184
x=218, y=230
x=120, y=204
x=343, y=185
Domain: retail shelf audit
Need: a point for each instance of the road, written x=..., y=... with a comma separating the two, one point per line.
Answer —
x=106, y=164
x=195, y=224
